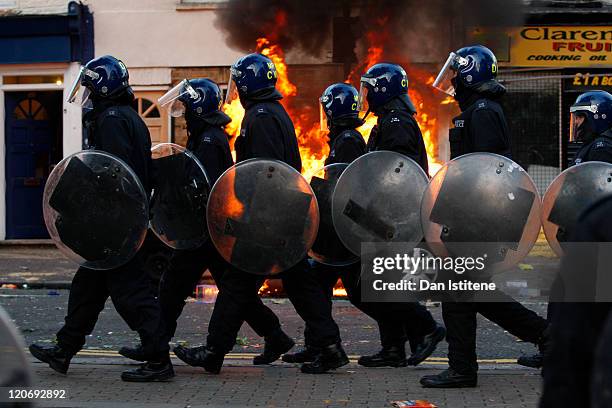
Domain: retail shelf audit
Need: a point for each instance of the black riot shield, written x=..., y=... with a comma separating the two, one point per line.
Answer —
x=180, y=194
x=262, y=216
x=95, y=209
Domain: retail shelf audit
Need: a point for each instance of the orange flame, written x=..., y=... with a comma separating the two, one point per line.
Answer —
x=312, y=141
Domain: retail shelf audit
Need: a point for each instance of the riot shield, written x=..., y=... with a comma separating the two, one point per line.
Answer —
x=95, y=209
x=377, y=199
x=14, y=367
x=327, y=248
x=572, y=192
x=262, y=216
x=482, y=205
x=180, y=194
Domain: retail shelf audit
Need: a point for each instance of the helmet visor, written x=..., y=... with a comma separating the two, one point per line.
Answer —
x=447, y=73
x=174, y=98
x=322, y=115
x=364, y=89
x=180, y=91
x=577, y=119
x=232, y=90
x=79, y=94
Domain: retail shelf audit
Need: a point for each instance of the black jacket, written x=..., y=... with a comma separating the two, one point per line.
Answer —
x=345, y=145
x=600, y=149
x=117, y=129
x=268, y=132
x=481, y=127
x=210, y=145
x=397, y=130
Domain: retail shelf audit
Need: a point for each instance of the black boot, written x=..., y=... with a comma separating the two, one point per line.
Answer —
x=449, y=379
x=202, y=356
x=389, y=356
x=276, y=345
x=537, y=360
x=428, y=346
x=150, y=371
x=133, y=353
x=305, y=355
x=532, y=361
x=57, y=358
x=545, y=342
x=330, y=358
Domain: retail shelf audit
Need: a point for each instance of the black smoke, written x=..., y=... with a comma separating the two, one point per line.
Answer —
x=410, y=26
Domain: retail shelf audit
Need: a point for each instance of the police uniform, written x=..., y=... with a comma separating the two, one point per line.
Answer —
x=267, y=132
x=397, y=130
x=482, y=128
x=116, y=128
x=209, y=143
x=600, y=149
x=576, y=328
x=397, y=321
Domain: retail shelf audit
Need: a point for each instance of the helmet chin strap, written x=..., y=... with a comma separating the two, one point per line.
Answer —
x=366, y=114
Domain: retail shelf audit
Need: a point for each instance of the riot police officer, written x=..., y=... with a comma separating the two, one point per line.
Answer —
x=268, y=132
x=576, y=368
x=340, y=116
x=384, y=92
x=591, y=125
x=200, y=100
x=469, y=75
x=591, y=129
x=112, y=126
x=339, y=113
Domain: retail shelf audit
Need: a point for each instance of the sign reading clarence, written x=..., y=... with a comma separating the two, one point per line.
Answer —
x=576, y=46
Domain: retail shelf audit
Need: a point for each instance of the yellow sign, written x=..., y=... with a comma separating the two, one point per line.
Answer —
x=570, y=46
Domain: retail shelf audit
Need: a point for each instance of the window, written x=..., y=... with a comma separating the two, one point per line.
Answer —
x=30, y=109
x=32, y=79
x=145, y=108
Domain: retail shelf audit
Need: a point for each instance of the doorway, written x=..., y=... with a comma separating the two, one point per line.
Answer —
x=33, y=140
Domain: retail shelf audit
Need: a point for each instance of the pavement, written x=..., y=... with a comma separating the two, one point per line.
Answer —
x=93, y=380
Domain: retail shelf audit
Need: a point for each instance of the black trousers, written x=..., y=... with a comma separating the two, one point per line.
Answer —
x=184, y=273
x=238, y=293
x=130, y=291
x=460, y=321
x=398, y=322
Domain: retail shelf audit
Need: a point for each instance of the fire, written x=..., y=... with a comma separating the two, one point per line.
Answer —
x=312, y=141
x=339, y=290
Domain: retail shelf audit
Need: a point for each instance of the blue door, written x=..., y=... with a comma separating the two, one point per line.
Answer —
x=33, y=144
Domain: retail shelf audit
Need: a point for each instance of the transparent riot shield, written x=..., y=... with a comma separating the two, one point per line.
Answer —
x=262, y=216
x=377, y=199
x=327, y=248
x=482, y=205
x=14, y=367
x=95, y=209
x=571, y=193
x=180, y=193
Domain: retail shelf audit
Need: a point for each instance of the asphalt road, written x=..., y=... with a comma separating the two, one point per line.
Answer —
x=39, y=313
